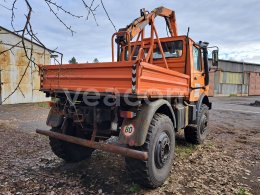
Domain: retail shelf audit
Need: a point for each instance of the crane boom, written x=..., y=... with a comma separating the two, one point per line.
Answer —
x=147, y=18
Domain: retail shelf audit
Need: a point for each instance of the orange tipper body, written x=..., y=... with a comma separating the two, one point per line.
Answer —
x=115, y=77
x=151, y=78
x=153, y=87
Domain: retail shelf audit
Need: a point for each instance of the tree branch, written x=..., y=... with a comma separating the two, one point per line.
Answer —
x=91, y=10
x=108, y=15
x=61, y=21
x=27, y=30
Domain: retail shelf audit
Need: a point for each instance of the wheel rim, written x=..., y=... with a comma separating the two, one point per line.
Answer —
x=162, y=150
x=203, y=124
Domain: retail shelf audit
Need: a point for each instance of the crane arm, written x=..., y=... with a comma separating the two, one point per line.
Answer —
x=170, y=19
x=146, y=18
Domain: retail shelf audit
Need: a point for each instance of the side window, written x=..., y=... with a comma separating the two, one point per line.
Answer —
x=196, y=59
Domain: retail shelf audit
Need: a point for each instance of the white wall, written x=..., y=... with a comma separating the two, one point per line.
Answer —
x=13, y=65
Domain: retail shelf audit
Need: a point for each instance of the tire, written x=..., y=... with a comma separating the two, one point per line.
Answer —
x=67, y=151
x=197, y=133
x=153, y=172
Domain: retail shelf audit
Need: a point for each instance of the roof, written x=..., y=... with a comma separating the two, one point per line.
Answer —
x=237, y=62
x=16, y=34
x=238, y=66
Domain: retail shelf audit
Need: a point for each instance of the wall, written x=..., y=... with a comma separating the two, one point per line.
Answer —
x=234, y=78
x=13, y=64
x=254, y=83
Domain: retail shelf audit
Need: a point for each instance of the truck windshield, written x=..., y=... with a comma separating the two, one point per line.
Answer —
x=171, y=49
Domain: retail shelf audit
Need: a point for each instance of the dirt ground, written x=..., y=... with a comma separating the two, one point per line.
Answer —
x=228, y=162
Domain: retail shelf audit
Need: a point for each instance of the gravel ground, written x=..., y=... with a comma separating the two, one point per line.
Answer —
x=228, y=162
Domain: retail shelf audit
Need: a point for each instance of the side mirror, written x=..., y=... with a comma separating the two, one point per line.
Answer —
x=215, y=58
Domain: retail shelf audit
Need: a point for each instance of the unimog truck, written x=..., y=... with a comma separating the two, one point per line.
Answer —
x=153, y=88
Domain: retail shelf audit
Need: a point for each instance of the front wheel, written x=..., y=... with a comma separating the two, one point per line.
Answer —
x=197, y=133
x=160, y=145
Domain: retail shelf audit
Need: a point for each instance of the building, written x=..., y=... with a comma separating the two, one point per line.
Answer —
x=14, y=66
x=235, y=78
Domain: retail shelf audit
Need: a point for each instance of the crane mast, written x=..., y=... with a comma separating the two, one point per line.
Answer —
x=146, y=18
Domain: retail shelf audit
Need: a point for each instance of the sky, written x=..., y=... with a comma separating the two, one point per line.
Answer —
x=232, y=25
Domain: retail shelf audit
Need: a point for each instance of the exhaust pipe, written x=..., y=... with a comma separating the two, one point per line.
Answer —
x=96, y=145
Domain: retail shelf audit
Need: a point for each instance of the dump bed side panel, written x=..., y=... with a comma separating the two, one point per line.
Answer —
x=116, y=77
x=155, y=80
x=99, y=77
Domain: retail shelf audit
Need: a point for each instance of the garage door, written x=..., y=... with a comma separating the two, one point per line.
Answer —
x=254, y=83
x=211, y=83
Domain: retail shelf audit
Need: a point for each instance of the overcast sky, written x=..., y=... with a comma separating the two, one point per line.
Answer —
x=233, y=25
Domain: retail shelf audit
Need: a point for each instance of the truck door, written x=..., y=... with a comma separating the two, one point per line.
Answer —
x=197, y=74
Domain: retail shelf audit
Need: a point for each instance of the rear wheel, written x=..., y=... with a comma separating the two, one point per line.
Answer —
x=68, y=151
x=159, y=144
x=197, y=133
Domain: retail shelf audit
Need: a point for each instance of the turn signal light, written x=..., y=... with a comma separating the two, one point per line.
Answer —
x=127, y=114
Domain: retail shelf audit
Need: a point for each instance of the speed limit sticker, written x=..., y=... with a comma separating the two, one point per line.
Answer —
x=128, y=129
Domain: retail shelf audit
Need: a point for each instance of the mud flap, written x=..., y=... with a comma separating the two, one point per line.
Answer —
x=55, y=118
x=134, y=131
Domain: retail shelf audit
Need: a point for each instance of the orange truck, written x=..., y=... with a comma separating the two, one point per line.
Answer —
x=153, y=88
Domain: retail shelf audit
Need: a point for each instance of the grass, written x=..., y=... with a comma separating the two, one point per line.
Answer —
x=43, y=104
x=241, y=191
x=208, y=146
x=135, y=188
x=185, y=150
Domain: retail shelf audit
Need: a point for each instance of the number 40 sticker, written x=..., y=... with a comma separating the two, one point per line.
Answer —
x=128, y=130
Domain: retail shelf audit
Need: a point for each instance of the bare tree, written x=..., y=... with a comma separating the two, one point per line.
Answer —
x=27, y=31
